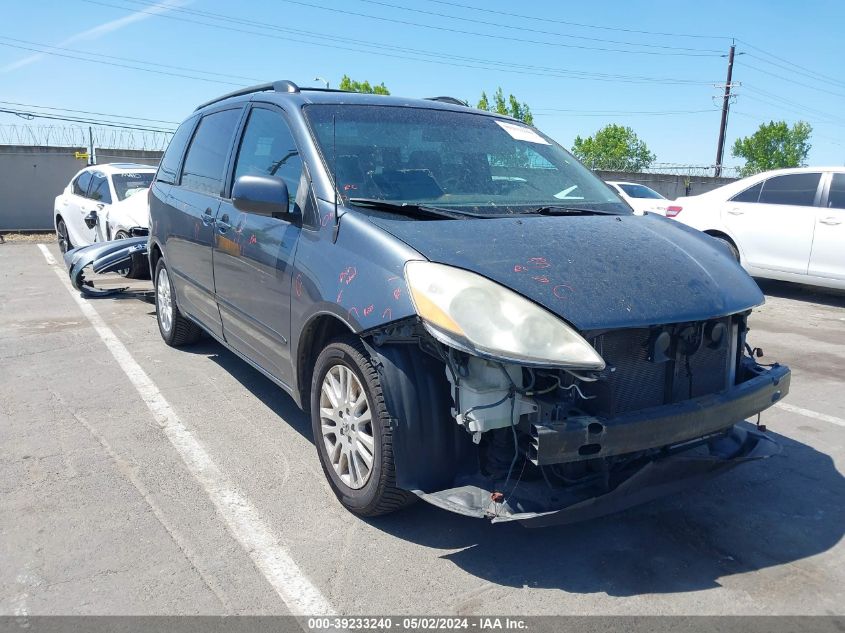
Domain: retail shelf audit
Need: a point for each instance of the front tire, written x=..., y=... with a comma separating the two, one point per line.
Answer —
x=352, y=431
x=62, y=236
x=175, y=329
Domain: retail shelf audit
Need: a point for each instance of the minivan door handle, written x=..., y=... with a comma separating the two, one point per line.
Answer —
x=223, y=223
x=207, y=217
x=830, y=221
x=736, y=211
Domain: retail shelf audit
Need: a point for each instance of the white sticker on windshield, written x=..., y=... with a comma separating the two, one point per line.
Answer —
x=522, y=133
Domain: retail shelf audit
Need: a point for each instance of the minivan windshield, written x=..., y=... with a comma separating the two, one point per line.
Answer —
x=450, y=159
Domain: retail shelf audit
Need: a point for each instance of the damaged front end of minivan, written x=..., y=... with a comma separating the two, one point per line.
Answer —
x=629, y=415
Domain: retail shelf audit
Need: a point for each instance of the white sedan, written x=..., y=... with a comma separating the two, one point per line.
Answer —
x=102, y=203
x=642, y=199
x=786, y=224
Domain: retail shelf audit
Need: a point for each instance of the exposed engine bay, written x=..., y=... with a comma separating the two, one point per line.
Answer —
x=552, y=445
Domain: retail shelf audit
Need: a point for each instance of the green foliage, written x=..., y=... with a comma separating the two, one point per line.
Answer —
x=350, y=85
x=509, y=106
x=614, y=147
x=773, y=146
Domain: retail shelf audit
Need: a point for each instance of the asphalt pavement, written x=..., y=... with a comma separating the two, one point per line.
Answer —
x=140, y=479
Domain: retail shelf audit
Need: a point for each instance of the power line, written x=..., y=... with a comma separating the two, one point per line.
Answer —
x=792, y=81
x=115, y=64
x=578, y=24
x=119, y=116
x=806, y=74
x=324, y=41
x=137, y=61
x=514, y=27
x=497, y=37
x=795, y=105
x=804, y=70
x=115, y=124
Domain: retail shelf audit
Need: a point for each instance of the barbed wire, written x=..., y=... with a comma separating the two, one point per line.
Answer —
x=78, y=136
x=672, y=169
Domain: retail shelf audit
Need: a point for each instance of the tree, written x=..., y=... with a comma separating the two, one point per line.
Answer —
x=350, y=85
x=614, y=147
x=773, y=146
x=509, y=106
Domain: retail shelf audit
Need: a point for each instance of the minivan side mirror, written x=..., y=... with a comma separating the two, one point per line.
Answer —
x=263, y=195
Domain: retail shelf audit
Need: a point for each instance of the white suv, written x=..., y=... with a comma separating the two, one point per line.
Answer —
x=785, y=224
x=102, y=203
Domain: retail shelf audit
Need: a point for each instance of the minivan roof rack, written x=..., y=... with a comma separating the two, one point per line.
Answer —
x=282, y=85
x=451, y=100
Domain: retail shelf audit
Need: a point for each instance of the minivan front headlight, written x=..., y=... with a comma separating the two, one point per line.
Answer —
x=472, y=313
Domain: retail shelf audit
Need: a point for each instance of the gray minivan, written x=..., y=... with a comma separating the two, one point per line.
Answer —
x=469, y=315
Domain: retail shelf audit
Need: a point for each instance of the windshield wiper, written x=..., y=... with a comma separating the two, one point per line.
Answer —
x=562, y=210
x=410, y=209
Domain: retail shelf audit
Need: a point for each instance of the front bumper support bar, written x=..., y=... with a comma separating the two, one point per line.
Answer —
x=587, y=437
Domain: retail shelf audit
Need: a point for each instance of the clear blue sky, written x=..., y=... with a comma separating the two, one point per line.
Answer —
x=549, y=61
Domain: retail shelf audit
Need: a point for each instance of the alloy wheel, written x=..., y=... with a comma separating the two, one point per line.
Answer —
x=164, y=301
x=64, y=242
x=346, y=424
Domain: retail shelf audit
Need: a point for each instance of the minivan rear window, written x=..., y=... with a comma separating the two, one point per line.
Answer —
x=169, y=167
x=205, y=162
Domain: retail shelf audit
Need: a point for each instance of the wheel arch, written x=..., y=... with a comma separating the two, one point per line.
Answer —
x=724, y=236
x=316, y=333
x=155, y=254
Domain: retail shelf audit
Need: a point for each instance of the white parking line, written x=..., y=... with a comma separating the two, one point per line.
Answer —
x=242, y=519
x=810, y=414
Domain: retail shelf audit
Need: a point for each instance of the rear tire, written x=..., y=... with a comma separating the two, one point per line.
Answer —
x=351, y=426
x=175, y=329
x=139, y=266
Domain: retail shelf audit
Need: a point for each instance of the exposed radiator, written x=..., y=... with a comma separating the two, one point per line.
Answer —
x=634, y=382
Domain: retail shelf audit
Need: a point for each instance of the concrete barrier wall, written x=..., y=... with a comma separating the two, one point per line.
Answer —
x=31, y=178
x=670, y=185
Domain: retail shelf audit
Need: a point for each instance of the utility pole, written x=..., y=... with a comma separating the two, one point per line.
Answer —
x=91, y=158
x=726, y=104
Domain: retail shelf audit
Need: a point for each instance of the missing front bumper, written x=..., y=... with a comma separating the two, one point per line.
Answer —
x=588, y=437
x=650, y=481
x=679, y=461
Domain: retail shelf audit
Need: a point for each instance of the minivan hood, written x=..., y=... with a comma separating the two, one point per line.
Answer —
x=597, y=272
